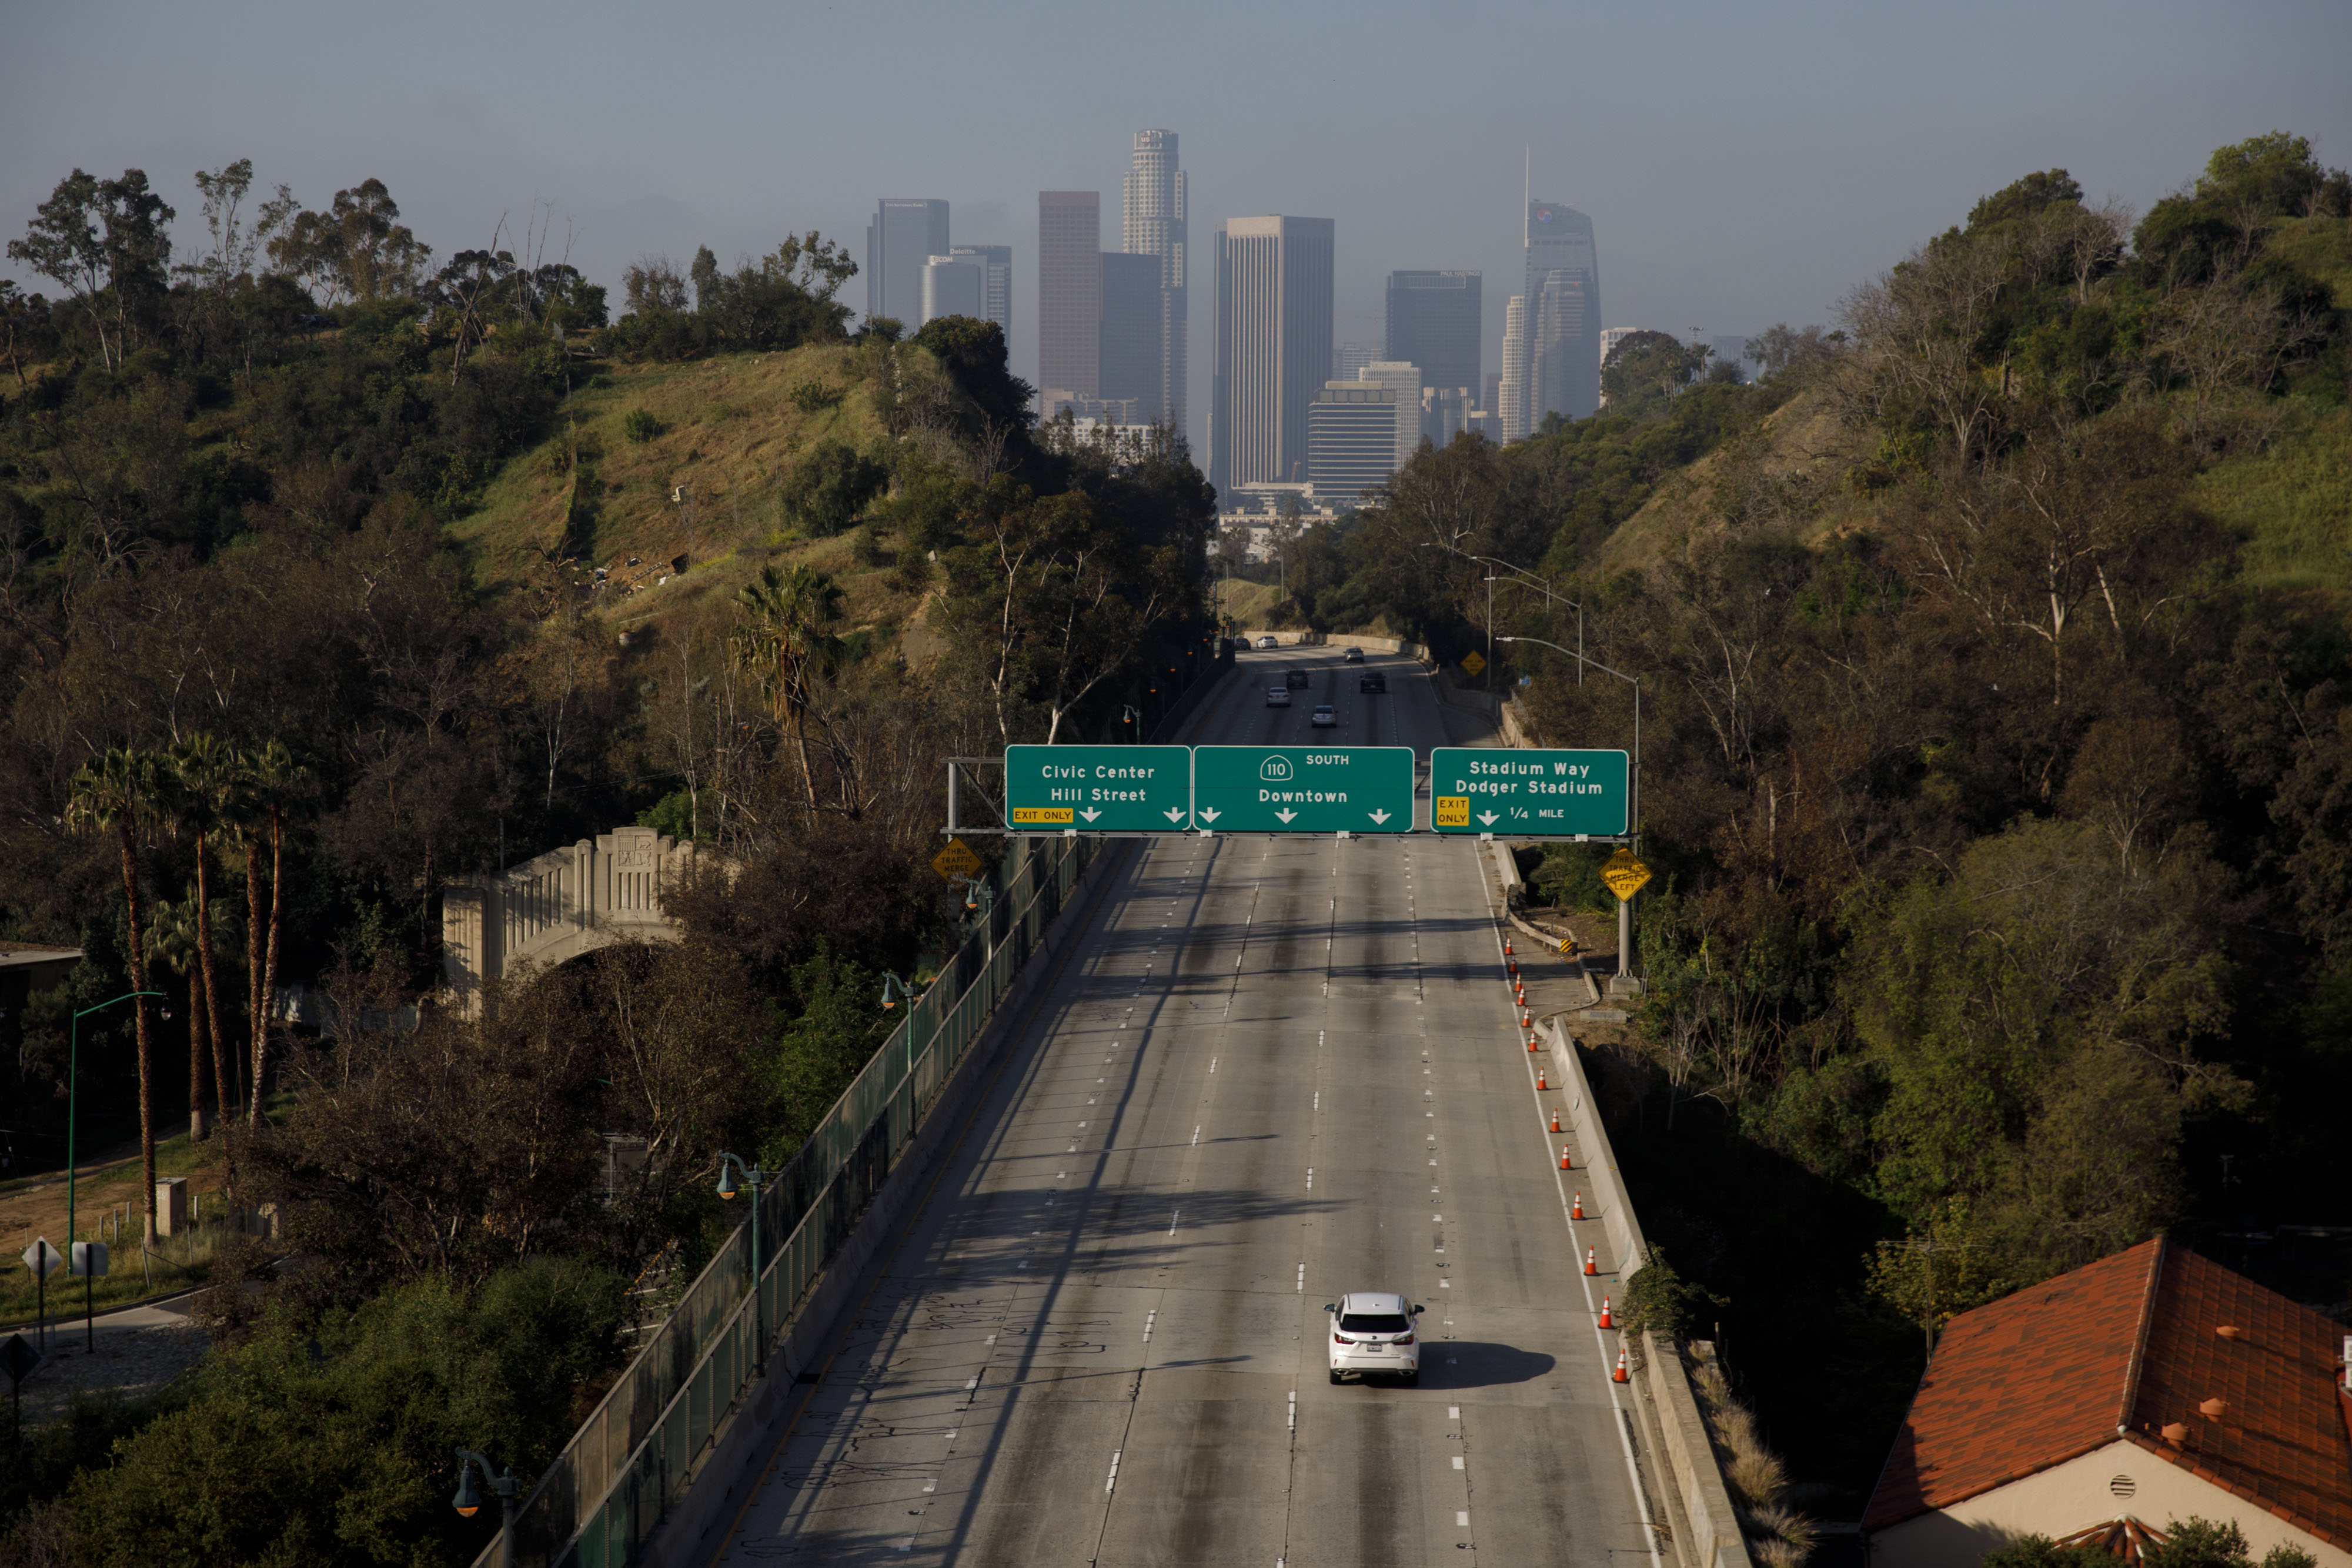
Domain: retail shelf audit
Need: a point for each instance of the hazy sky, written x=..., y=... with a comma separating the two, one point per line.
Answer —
x=1742, y=163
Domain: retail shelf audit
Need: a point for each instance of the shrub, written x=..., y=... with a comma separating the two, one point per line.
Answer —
x=830, y=486
x=815, y=397
x=640, y=426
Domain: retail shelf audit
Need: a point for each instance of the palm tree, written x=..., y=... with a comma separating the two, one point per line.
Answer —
x=172, y=942
x=786, y=642
x=111, y=793
x=203, y=781
x=274, y=788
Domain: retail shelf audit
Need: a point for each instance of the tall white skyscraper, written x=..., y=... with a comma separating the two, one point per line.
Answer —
x=1511, y=391
x=1273, y=346
x=906, y=232
x=1154, y=225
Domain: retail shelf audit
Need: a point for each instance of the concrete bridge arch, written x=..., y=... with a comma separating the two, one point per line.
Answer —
x=565, y=902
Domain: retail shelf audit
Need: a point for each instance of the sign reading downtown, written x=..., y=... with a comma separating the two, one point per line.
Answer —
x=1303, y=788
x=1526, y=793
x=1098, y=789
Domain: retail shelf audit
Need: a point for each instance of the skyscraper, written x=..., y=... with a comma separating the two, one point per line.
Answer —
x=1434, y=322
x=1273, y=345
x=906, y=232
x=1404, y=379
x=1511, y=388
x=1152, y=223
x=995, y=262
x=1069, y=294
x=1132, y=341
x=1352, y=439
x=1563, y=314
x=952, y=287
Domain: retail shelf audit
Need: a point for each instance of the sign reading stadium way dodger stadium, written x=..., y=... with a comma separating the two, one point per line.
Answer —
x=1494, y=790
x=1302, y=788
x=1098, y=789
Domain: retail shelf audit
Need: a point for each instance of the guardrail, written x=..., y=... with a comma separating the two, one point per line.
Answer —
x=1699, y=1489
x=651, y=1435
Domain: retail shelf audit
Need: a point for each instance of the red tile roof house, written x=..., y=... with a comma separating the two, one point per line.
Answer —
x=2150, y=1386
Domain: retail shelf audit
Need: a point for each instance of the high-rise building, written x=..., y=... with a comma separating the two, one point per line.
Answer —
x=906, y=232
x=1405, y=380
x=1434, y=322
x=1511, y=388
x=1612, y=335
x=1131, y=339
x=1352, y=439
x=1348, y=359
x=1069, y=294
x=1273, y=345
x=995, y=262
x=952, y=287
x=1563, y=314
x=1152, y=223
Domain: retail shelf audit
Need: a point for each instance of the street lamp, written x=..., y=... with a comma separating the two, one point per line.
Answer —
x=1624, y=906
x=504, y=1488
x=73, y=1091
x=1522, y=575
x=894, y=992
x=753, y=1178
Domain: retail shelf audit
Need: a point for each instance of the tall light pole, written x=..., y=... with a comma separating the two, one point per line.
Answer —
x=753, y=1178
x=73, y=1097
x=1521, y=575
x=1633, y=823
x=504, y=1488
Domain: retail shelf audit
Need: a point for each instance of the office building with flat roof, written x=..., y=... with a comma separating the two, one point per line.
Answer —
x=1069, y=294
x=1434, y=321
x=906, y=232
x=1152, y=223
x=995, y=262
x=1563, y=314
x=1348, y=358
x=952, y=287
x=1352, y=439
x=1404, y=379
x=1274, y=304
x=1132, y=340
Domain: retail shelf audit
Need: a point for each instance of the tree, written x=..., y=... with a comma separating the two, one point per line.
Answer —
x=113, y=793
x=271, y=787
x=1935, y=1274
x=103, y=241
x=202, y=802
x=357, y=250
x=172, y=942
x=829, y=486
x=783, y=644
x=654, y=282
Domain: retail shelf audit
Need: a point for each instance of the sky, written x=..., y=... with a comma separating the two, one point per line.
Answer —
x=1742, y=163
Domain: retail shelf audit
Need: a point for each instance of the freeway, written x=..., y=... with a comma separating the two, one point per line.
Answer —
x=1271, y=1072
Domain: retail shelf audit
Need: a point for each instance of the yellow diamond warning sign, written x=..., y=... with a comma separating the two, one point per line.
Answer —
x=1473, y=662
x=956, y=859
x=1625, y=875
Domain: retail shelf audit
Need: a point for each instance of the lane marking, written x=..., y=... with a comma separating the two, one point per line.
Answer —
x=1171, y=1222
x=1302, y=1279
x=1114, y=1473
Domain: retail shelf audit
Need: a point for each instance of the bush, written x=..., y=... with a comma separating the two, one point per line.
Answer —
x=830, y=486
x=640, y=426
x=815, y=397
x=1661, y=1302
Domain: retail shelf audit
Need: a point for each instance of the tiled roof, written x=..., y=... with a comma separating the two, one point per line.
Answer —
x=2129, y=1346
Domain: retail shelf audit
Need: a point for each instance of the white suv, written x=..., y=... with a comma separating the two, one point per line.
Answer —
x=1373, y=1331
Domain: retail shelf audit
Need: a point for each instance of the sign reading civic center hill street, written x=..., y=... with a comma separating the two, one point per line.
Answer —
x=1302, y=788
x=1098, y=789
x=1491, y=789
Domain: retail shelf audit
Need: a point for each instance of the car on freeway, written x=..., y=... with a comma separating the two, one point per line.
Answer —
x=1353, y=656
x=1375, y=680
x=1277, y=696
x=1269, y=642
x=1324, y=716
x=1372, y=1333
x=1300, y=679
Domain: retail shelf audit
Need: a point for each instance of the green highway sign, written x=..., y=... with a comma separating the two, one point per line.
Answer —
x=1302, y=788
x=1098, y=789
x=1493, y=790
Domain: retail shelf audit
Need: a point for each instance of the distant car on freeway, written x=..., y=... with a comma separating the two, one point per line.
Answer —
x=1372, y=1333
x=1323, y=718
x=1277, y=696
x=1269, y=641
x=1375, y=680
x=1353, y=656
x=1299, y=678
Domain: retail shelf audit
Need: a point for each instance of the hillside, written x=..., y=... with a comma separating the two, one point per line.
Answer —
x=1799, y=446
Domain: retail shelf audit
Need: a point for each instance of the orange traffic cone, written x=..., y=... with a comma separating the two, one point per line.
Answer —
x=1531, y=1042
x=1588, y=1267
x=1564, y=1157
x=1555, y=1118
x=1527, y=1018
x=1576, y=1209
x=1619, y=1375
x=1541, y=1086
x=1606, y=1321
x=1507, y=946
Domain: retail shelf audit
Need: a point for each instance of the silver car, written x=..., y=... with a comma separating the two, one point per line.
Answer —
x=1324, y=716
x=1373, y=1331
x=1269, y=642
x=1277, y=696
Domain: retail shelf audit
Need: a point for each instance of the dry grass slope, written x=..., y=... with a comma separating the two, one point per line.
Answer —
x=1799, y=446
